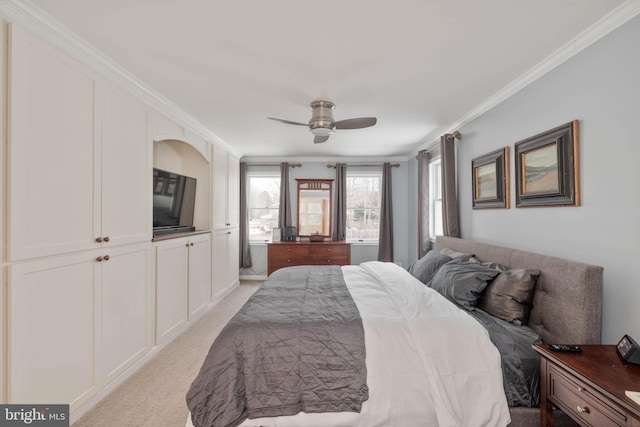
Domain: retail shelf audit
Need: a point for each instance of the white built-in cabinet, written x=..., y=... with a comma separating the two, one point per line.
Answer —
x=225, y=209
x=76, y=321
x=89, y=296
x=226, y=187
x=226, y=252
x=79, y=156
x=183, y=281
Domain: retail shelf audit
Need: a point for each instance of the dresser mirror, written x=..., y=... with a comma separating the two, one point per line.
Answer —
x=314, y=207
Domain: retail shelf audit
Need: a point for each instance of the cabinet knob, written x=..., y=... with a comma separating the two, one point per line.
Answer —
x=190, y=244
x=99, y=239
x=106, y=257
x=228, y=223
x=581, y=390
x=228, y=232
x=583, y=409
x=99, y=259
x=106, y=239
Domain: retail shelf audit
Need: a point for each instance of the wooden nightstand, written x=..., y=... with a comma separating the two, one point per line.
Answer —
x=588, y=386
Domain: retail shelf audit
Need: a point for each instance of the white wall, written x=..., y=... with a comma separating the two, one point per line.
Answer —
x=359, y=253
x=600, y=88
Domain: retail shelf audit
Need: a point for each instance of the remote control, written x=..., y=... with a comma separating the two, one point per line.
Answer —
x=563, y=347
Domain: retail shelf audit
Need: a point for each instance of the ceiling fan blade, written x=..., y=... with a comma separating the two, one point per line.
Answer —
x=289, y=122
x=319, y=139
x=359, y=123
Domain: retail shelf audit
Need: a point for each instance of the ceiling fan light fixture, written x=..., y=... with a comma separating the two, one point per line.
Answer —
x=321, y=131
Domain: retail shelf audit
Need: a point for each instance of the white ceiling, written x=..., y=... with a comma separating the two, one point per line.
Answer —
x=419, y=66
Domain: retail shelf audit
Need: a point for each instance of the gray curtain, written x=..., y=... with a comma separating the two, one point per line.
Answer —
x=340, y=210
x=245, y=254
x=450, y=225
x=284, y=217
x=385, y=247
x=424, y=243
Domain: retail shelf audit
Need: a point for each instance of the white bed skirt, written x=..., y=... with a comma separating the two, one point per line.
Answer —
x=428, y=362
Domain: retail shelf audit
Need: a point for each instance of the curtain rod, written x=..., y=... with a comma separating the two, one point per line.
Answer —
x=395, y=165
x=293, y=165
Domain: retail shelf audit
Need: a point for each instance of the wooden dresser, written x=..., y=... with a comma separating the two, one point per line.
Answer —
x=287, y=254
x=588, y=386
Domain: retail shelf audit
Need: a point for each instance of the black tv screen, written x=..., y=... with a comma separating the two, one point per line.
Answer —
x=174, y=197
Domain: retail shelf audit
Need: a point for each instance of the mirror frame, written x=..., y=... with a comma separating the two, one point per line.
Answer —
x=319, y=185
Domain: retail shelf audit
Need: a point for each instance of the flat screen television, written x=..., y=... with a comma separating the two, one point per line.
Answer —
x=174, y=198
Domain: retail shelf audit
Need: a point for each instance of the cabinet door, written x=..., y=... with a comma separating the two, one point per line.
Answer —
x=172, y=273
x=220, y=263
x=126, y=172
x=226, y=255
x=233, y=191
x=199, y=273
x=233, y=260
x=124, y=309
x=51, y=208
x=220, y=165
x=51, y=330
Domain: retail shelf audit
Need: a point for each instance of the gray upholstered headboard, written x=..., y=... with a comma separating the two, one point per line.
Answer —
x=567, y=303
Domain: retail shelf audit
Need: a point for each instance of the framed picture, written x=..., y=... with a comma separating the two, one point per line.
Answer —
x=547, y=168
x=490, y=174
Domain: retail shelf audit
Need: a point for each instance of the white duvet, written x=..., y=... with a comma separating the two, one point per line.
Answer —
x=428, y=362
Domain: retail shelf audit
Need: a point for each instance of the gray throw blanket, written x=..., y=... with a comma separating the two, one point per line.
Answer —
x=296, y=345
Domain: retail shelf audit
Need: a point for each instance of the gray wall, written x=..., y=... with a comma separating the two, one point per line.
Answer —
x=359, y=253
x=600, y=87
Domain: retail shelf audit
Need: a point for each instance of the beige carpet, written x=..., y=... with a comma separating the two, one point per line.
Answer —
x=155, y=395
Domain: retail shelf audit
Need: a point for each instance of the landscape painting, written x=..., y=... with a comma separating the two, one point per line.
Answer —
x=540, y=168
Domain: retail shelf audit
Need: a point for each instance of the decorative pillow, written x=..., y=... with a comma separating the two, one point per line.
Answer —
x=424, y=268
x=509, y=295
x=455, y=254
x=462, y=282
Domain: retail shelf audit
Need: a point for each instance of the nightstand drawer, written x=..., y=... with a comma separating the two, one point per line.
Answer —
x=583, y=403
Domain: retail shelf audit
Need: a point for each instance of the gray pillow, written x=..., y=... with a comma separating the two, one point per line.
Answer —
x=455, y=254
x=509, y=295
x=424, y=268
x=462, y=282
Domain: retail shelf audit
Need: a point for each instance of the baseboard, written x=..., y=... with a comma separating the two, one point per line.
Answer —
x=253, y=277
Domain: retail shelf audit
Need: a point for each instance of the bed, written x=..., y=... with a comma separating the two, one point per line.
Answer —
x=423, y=367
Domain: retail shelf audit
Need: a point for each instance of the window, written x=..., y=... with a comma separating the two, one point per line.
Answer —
x=435, y=198
x=263, y=205
x=363, y=207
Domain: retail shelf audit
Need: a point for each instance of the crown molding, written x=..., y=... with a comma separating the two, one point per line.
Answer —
x=31, y=17
x=614, y=19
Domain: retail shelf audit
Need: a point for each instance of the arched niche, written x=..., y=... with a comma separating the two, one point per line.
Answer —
x=181, y=157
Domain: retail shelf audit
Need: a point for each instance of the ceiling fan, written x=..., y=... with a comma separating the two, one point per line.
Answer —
x=322, y=124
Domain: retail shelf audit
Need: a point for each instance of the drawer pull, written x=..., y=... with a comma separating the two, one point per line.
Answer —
x=583, y=409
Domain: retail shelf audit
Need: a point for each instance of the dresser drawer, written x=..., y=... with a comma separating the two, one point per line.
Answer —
x=332, y=250
x=329, y=259
x=288, y=251
x=582, y=402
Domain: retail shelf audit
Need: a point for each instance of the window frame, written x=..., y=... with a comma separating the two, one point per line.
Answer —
x=360, y=173
x=435, y=197
x=250, y=176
